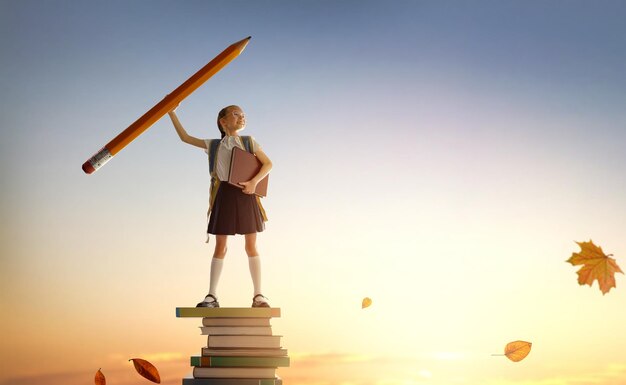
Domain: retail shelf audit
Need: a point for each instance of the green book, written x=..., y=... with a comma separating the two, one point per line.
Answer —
x=228, y=312
x=273, y=362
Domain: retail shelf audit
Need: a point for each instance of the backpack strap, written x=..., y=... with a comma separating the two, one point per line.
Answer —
x=213, y=144
x=247, y=144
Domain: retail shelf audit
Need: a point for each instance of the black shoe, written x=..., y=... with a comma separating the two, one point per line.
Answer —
x=206, y=303
x=262, y=302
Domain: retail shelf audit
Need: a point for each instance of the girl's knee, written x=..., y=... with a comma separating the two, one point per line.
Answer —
x=220, y=252
x=251, y=251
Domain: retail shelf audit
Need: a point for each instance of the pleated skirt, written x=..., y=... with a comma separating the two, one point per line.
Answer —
x=234, y=212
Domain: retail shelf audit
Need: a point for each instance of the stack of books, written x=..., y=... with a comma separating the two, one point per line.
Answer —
x=240, y=350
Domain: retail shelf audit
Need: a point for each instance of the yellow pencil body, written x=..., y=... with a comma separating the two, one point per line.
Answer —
x=164, y=106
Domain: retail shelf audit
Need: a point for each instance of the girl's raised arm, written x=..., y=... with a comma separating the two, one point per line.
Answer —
x=183, y=134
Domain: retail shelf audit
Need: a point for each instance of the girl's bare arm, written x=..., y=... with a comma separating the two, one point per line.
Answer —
x=183, y=134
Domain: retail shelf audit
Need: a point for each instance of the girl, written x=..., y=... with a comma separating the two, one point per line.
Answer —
x=232, y=210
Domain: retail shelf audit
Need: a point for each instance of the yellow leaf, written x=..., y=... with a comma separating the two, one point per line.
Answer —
x=596, y=266
x=99, y=378
x=146, y=370
x=517, y=350
x=366, y=302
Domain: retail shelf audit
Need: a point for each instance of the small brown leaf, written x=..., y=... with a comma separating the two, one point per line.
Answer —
x=146, y=370
x=517, y=350
x=366, y=302
x=99, y=378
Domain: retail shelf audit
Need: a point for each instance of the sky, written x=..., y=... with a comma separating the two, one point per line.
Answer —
x=442, y=158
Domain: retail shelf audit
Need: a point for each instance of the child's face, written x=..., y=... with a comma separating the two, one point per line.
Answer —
x=234, y=120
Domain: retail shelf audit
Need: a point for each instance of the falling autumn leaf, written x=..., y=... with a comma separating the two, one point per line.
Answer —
x=99, y=378
x=146, y=369
x=596, y=266
x=366, y=302
x=517, y=350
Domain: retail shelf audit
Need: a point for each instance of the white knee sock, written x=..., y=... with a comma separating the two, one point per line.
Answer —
x=255, y=272
x=216, y=271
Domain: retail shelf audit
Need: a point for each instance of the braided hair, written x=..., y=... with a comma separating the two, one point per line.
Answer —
x=220, y=115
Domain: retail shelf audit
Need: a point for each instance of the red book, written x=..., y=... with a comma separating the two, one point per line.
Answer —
x=243, y=167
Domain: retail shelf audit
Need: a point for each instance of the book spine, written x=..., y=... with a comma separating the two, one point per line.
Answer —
x=209, y=321
x=200, y=372
x=253, y=352
x=237, y=341
x=226, y=312
x=236, y=330
x=218, y=361
x=232, y=381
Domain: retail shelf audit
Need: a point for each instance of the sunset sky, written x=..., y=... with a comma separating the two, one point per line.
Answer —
x=439, y=157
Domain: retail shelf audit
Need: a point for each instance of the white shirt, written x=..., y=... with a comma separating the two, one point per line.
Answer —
x=224, y=153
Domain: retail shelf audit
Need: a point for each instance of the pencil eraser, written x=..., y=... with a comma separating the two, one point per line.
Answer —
x=88, y=168
x=97, y=161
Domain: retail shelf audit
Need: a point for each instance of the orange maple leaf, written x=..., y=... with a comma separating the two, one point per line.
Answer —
x=596, y=266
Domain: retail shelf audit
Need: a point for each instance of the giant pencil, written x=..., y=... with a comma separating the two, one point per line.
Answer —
x=167, y=104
